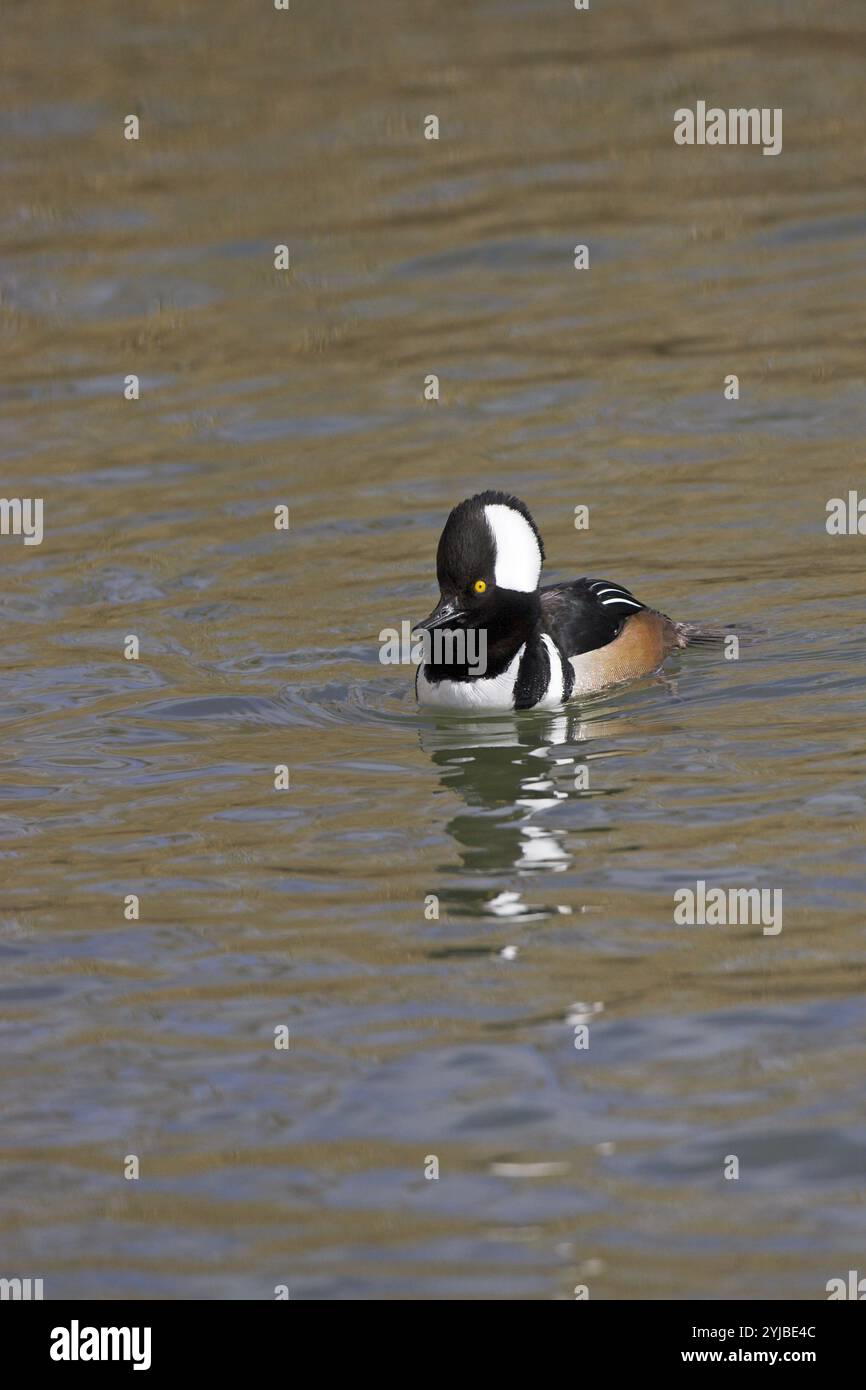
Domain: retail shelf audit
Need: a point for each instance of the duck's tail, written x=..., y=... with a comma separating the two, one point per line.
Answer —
x=694, y=635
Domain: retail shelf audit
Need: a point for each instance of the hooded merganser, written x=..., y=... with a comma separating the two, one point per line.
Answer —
x=543, y=646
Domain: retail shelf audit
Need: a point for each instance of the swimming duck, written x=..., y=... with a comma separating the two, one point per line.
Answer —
x=504, y=643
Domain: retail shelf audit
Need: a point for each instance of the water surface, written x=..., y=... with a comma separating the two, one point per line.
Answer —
x=414, y=1036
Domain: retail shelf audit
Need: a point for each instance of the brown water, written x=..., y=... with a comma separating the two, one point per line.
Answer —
x=413, y=1037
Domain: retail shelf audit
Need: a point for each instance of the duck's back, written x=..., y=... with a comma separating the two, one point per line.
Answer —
x=585, y=613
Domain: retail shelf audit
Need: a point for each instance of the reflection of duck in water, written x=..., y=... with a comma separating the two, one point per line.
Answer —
x=510, y=772
x=539, y=647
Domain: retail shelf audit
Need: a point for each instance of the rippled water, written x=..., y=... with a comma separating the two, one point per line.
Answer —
x=411, y=1036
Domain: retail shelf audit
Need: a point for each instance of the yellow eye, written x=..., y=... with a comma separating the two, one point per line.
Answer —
x=479, y=586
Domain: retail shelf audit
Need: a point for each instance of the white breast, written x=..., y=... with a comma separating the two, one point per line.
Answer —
x=486, y=693
x=556, y=685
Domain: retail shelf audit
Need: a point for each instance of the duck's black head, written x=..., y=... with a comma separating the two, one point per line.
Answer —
x=488, y=565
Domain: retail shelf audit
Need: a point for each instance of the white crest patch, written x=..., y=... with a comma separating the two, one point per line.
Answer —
x=518, y=557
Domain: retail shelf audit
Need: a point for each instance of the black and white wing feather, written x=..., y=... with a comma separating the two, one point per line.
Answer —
x=585, y=613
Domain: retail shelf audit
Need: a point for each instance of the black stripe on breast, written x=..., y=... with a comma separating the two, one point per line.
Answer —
x=567, y=677
x=533, y=675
